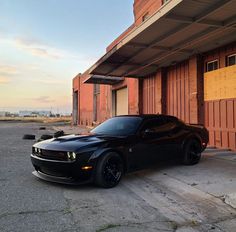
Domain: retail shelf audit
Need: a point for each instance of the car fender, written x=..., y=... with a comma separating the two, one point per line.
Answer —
x=98, y=153
x=189, y=137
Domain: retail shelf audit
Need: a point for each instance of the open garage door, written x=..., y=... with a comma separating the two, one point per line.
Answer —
x=121, y=102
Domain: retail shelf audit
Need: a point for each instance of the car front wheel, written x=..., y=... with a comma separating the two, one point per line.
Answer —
x=109, y=170
x=191, y=153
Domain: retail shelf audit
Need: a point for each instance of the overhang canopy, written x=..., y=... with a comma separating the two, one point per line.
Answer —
x=104, y=80
x=178, y=30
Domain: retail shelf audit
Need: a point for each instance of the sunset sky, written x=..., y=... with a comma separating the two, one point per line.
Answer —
x=44, y=44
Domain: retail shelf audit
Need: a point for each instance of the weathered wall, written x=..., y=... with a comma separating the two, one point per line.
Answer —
x=143, y=7
x=85, y=102
x=105, y=109
x=76, y=82
x=220, y=120
x=220, y=99
x=182, y=91
x=152, y=94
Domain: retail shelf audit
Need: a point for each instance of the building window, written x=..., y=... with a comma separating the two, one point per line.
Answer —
x=211, y=65
x=145, y=17
x=231, y=60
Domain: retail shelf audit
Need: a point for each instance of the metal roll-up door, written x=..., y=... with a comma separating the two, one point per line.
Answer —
x=122, y=102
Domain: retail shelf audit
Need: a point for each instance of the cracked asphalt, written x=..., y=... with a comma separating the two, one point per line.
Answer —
x=168, y=197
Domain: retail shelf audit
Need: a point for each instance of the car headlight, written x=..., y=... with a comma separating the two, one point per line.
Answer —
x=71, y=155
x=37, y=150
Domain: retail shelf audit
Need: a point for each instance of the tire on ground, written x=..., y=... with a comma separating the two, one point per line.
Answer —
x=29, y=137
x=45, y=137
x=59, y=134
x=102, y=167
x=191, y=153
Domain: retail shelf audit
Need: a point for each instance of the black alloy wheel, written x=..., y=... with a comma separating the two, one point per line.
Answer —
x=192, y=153
x=109, y=170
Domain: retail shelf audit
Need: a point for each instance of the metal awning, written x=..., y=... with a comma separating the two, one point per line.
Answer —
x=178, y=30
x=105, y=80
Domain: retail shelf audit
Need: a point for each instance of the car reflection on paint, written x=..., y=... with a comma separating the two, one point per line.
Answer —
x=119, y=145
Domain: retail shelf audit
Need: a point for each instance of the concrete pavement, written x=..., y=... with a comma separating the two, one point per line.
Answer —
x=167, y=197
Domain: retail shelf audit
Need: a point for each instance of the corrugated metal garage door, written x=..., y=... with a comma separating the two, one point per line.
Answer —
x=122, y=102
x=220, y=120
x=178, y=88
x=151, y=94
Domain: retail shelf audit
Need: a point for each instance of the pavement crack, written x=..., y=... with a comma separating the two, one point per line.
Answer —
x=135, y=224
x=31, y=212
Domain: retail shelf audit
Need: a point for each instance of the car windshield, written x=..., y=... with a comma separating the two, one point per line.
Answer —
x=118, y=126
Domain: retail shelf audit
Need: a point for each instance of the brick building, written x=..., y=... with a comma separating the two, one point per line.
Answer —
x=178, y=58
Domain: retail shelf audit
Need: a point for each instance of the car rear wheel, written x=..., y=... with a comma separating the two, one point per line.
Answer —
x=192, y=152
x=109, y=170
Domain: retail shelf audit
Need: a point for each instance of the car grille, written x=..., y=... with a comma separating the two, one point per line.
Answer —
x=52, y=155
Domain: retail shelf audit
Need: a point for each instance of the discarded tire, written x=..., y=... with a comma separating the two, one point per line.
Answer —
x=59, y=134
x=45, y=137
x=42, y=128
x=29, y=137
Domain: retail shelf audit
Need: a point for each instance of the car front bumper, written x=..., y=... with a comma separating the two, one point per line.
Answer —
x=61, y=171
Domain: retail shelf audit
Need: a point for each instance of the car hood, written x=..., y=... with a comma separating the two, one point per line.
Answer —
x=73, y=143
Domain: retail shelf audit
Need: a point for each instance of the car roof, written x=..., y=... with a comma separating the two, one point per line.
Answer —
x=149, y=116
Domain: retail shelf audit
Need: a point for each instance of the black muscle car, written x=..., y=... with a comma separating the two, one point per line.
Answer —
x=119, y=145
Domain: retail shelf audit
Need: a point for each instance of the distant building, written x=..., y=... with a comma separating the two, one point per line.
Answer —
x=28, y=113
x=4, y=114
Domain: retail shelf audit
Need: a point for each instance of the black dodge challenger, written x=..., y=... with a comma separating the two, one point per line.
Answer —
x=119, y=145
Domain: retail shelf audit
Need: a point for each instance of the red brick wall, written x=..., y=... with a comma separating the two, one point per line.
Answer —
x=85, y=102
x=133, y=95
x=105, y=107
x=143, y=7
x=76, y=83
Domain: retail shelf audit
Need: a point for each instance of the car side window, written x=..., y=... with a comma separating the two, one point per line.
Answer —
x=159, y=125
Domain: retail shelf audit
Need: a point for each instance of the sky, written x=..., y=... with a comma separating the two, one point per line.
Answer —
x=45, y=43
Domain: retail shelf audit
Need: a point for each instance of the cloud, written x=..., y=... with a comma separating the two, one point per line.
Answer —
x=37, y=48
x=4, y=80
x=42, y=52
x=51, y=82
x=8, y=70
x=28, y=42
x=40, y=49
x=43, y=99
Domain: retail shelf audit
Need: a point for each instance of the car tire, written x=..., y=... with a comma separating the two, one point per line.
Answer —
x=46, y=136
x=59, y=134
x=191, y=153
x=29, y=137
x=109, y=170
